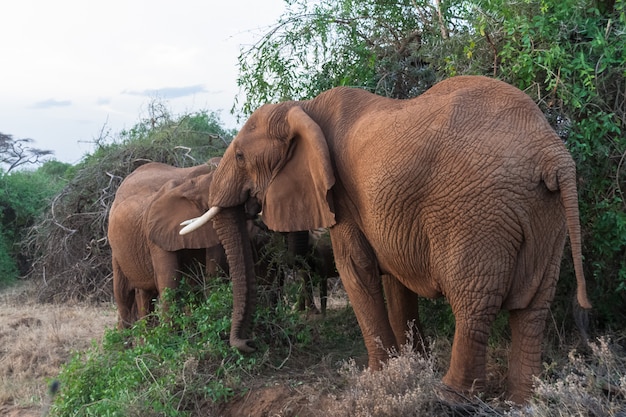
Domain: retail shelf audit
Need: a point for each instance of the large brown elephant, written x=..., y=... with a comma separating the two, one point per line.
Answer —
x=148, y=253
x=464, y=192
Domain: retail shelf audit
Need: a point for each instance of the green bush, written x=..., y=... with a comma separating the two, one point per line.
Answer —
x=178, y=362
x=167, y=369
x=24, y=196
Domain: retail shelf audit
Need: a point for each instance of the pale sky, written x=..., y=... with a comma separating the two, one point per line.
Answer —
x=69, y=68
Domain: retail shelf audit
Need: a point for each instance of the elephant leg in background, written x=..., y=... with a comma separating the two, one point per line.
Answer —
x=403, y=311
x=144, y=303
x=324, y=265
x=323, y=284
x=359, y=273
x=298, y=247
x=216, y=264
x=166, y=272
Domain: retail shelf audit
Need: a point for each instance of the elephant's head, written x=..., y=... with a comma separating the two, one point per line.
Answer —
x=178, y=200
x=280, y=158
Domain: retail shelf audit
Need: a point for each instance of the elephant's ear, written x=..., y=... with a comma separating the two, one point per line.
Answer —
x=173, y=204
x=299, y=196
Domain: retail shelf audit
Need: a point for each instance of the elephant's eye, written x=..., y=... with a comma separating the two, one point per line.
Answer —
x=239, y=156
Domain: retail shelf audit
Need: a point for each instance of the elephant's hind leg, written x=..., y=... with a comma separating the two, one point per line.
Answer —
x=528, y=321
x=467, y=370
x=124, y=297
x=527, y=328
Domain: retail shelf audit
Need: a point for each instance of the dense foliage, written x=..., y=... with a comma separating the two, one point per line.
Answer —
x=24, y=195
x=569, y=56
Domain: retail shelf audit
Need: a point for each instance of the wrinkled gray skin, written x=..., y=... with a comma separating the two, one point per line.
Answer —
x=464, y=192
x=148, y=253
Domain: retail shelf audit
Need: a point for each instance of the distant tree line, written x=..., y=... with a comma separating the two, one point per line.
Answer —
x=24, y=195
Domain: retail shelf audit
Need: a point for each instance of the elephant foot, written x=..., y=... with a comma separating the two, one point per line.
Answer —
x=243, y=345
x=519, y=396
x=458, y=402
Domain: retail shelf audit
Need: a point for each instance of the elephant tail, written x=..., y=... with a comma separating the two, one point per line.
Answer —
x=565, y=181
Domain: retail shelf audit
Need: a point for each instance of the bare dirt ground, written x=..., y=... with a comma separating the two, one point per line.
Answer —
x=35, y=340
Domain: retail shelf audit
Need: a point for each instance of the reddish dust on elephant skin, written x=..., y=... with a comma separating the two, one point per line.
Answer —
x=464, y=192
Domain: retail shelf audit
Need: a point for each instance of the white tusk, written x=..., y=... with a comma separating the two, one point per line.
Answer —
x=193, y=224
x=186, y=222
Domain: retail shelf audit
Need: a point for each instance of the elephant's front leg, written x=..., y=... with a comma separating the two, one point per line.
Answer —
x=360, y=276
x=166, y=275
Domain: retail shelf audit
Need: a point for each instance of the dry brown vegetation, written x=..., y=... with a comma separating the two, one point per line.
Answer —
x=36, y=340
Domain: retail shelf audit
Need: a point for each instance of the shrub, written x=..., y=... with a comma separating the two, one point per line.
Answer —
x=24, y=195
x=169, y=369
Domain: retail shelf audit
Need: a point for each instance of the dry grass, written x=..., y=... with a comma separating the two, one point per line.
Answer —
x=37, y=339
x=405, y=387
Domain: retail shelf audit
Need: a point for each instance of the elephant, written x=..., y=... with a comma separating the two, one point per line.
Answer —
x=147, y=251
x=308, y=255
x=310, y=259
x=317, y=265
x=464, y=192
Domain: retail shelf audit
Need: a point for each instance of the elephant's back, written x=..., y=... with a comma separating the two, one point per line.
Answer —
x=452, y=171
x=149, y=178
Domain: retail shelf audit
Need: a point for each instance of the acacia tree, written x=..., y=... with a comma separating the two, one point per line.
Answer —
x=17, y=152
x=569, y=55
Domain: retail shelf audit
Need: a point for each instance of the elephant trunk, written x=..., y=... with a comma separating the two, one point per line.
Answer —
x=231, y=229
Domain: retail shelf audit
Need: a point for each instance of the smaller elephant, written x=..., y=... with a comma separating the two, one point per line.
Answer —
x=306, y=255
x=315, y=263
x=148, y=253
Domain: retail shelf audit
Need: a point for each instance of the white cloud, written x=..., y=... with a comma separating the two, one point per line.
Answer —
x=45, y=104
x=170, y=92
